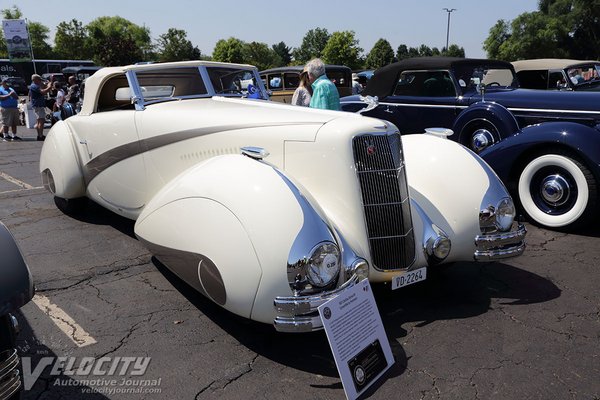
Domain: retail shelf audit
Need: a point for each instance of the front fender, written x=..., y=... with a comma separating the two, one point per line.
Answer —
x=495, y=113
x=450, y=183
x=507, y=156
x=226, y=226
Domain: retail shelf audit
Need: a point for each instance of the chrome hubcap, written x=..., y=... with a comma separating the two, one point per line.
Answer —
x=482, y=139
x=555, y=190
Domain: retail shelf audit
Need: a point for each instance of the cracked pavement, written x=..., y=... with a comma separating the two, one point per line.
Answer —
x=524, y=328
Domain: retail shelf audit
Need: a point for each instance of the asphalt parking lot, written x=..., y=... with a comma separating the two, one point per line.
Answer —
x=524, y=328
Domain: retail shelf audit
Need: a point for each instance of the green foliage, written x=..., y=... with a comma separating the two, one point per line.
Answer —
x=261, y=55
x=342, y=48
x=284, y=53
x=38, y=35
x=381, y=54
x=402, y=52
x=71, y=41
x=175, y=46
x=230, y=50
x=454, y=51
x=561, y=29
x=12, y=13
x=312, y=46
x=118, y=41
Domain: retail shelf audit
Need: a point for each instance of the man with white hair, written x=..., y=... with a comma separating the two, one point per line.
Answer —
x=325, y=94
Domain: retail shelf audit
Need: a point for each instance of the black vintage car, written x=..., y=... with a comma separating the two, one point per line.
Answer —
x=558, y=74
x=16, y=289
x=18, y=84
x=544, y=145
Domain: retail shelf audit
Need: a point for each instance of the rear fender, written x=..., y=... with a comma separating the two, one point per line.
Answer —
x=59, y=164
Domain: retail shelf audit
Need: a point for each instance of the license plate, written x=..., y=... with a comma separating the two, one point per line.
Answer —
x=409, y=278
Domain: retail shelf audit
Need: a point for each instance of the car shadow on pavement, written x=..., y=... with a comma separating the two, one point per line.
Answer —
x=463, y=290
x=93, y=213
x=308, y=352
x=33, y=350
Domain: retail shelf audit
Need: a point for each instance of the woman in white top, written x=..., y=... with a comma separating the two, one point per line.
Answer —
x=303, y=92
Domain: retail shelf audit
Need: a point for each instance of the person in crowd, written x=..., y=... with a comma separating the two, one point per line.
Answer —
x=303, y=92
x=356, y=86
x=9, y=101
x=325, y=95
x=59, y=100
x=72, y=91
x=37, y=90
x=22, y=111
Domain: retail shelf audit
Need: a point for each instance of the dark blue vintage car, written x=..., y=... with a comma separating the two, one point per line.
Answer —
x=544, y=145
x=558, y=74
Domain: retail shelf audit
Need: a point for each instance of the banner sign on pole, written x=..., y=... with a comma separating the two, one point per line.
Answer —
x=17, y=40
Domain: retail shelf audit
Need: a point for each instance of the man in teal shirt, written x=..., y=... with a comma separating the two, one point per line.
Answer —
x=325, y=94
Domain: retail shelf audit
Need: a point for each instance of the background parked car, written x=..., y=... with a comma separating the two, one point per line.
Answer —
x=545, y=145
x=283, y=81
x=19, y=85
x=16, y=289
x=558, y=74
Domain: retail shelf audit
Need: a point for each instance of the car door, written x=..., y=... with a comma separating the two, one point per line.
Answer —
x=421, y=99
x=108, y=145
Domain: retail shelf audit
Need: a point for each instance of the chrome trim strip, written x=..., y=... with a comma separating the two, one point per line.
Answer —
x=300, y=314
x=409, y=105
x=109, y=158
x=554, y=111
x=495, y=240
x=10, y=379
x=500, y=245
x=491, y=255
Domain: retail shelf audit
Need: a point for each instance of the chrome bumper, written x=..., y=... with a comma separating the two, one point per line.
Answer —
x=500, y=245
x=300, y=314
x=10, y=378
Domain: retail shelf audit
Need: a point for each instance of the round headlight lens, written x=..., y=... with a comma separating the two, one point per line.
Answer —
x=505, y=214
x=324, y=264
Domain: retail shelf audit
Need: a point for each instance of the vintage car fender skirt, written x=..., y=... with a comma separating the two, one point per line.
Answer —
x=556, y=190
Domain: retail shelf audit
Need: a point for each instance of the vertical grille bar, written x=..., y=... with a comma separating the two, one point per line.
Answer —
x=380, y=167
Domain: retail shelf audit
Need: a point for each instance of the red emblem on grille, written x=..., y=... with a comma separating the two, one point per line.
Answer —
x=371, y=149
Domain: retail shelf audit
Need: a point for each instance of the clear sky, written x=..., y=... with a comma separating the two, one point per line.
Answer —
x=399, y=21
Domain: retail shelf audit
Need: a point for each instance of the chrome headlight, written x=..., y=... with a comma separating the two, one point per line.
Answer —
x=498, y=217
x=505, y=214
x=323, y=266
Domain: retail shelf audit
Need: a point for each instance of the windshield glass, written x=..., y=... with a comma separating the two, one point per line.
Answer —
x=470, y=76
x=584, y=75
x=235, y=82
x=166, y=83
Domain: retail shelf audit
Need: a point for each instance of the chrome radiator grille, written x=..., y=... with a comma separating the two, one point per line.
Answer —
x=380, y=167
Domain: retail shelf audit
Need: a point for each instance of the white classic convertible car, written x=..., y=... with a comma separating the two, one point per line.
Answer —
x=270, y=209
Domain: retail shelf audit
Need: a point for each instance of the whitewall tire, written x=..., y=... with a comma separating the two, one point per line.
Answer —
x=557, y=191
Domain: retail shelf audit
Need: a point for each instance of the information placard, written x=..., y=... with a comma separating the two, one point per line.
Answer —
x=358, y=341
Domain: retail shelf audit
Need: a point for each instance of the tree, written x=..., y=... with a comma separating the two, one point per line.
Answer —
x=175, y=46
x=261, y=55
x=284, y=53
x=561, y=28
x=381, y=54
x=402, y=52
x=342, y=48
x=71, y=41
x=454, y=51
x=425, y=51
x=312, y=45
x=230, y=50
x=118, y=41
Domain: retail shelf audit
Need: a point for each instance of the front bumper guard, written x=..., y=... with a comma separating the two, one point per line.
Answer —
x=496, y=246
x=301, y=314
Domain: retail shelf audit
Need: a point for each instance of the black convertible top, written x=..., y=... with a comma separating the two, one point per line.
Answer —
x=383, y=82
